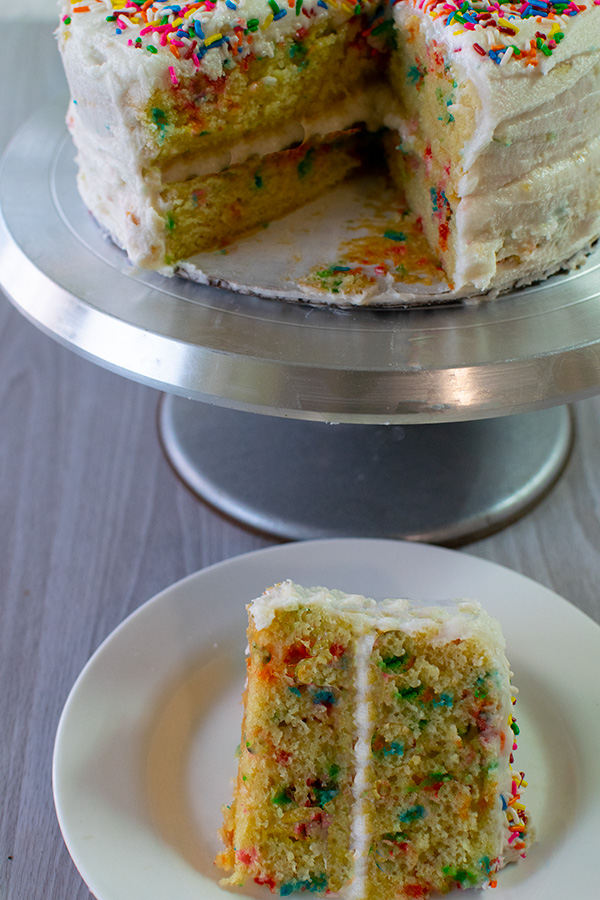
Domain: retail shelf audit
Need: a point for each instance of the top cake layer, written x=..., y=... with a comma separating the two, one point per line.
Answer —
x=442, y=623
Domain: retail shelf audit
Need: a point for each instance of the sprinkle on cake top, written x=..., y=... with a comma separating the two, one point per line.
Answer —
x=524, y=32
x=213, y=34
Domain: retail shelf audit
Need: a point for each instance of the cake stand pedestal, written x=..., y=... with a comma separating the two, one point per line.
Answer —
x=441, y=483
x=435, y=424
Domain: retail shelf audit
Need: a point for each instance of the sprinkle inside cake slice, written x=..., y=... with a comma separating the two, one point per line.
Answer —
x=377, y=749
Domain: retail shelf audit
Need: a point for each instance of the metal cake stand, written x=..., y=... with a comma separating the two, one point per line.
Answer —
x=437, y=424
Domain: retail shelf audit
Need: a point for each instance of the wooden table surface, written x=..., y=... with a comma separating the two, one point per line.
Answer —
x=94, y=522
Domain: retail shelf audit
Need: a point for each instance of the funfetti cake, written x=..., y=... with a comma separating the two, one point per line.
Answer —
x=196, y=122
x=377, y=749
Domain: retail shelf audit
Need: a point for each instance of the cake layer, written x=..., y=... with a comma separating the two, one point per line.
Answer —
x=231, y=201
x=364, y=106
x=376, y=748
x=290, y=823
x=436, y=774
x=156, y=111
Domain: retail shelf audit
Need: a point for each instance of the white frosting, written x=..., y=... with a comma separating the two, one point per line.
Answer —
x=447, y=621
x=106, y=44
x=556, y=204
x=288, y=595
x=275, y=21
x=362, y=753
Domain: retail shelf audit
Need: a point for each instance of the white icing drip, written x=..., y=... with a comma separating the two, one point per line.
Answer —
x=359, y=833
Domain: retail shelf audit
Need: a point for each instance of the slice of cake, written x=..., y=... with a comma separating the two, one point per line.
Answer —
x=376, y=749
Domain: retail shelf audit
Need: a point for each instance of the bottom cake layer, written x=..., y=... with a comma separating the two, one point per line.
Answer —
x=211, y=211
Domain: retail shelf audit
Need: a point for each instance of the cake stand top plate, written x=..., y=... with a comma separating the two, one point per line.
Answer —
x=533, y=348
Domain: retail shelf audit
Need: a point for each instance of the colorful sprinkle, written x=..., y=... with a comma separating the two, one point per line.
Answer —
x=325, y=697
x=498, y=26
x=283, y=797
x=180, y=28
x=413, y=813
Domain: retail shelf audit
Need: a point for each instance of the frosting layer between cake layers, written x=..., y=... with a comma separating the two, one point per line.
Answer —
x=494, y=112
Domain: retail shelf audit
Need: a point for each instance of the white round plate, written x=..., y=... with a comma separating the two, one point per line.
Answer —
x=145, y=749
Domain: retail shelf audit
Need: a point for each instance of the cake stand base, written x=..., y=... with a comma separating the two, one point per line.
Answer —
x=444, y=483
